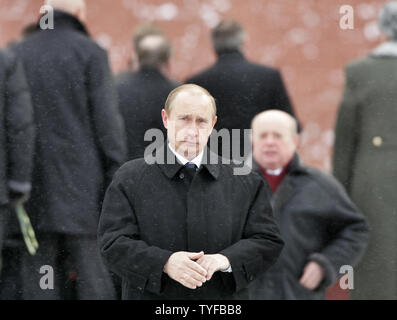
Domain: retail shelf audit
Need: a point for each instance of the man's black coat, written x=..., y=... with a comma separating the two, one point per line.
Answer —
x=142, y=95
x=242, y=89
x=149, y=213
x=16, y=134
x=16, y=127
x=318, y=222
x=80, y=139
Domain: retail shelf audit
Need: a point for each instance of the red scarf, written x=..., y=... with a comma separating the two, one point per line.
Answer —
x=273, y=180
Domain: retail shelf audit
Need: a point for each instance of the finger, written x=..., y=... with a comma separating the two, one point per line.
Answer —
x=196, y=267
x=201, y=260
x=195, y=255
x=196, y=276
x=191, y=282
x=211, y=271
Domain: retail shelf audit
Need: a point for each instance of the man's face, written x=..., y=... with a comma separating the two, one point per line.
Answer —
x=189, y=123
x=274, y=143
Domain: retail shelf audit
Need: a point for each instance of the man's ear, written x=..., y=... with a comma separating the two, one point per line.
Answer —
x=297, y=140
x=164, y=116
x=214, y=121
x=81, y=14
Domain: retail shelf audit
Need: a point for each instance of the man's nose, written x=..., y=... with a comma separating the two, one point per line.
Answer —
x=193, y=129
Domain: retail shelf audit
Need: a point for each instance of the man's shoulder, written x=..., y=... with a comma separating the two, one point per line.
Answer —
x=324, y=182
x=202, y=75
x=239, y=172
x=131, y=170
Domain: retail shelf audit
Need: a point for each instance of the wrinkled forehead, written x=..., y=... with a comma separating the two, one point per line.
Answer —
x=275, y=125
x=192, y=102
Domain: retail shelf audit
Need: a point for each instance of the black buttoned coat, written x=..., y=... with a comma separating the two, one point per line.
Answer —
x=149, y=212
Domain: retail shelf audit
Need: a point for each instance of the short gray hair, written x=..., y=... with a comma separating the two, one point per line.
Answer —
x=388, y=19
x=152, y=46
x=228, y=35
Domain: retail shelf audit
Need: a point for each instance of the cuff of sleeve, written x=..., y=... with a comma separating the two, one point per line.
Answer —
x=329, y=270
x=154, y=284
x=227, y=270
x=21, y=187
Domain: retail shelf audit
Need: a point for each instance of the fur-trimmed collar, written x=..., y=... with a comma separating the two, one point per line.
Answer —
x=387, y=49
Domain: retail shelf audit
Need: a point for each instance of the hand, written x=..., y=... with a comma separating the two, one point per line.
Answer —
x=181, y=267
x=313, y=274
x=16, y=198
x=213, y=263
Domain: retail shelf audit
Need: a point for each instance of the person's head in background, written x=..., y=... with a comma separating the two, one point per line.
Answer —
x=228, y=36
x=76, y=8
x=189, y=116
x=152, y=48
x=274, y=139
x=387, y=20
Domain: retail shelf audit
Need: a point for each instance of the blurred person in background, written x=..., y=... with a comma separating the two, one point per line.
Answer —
x=80, y=143
x=365, y=157
x=142, y=94
x=16, y=160
x=242, y=89
x=321, y=227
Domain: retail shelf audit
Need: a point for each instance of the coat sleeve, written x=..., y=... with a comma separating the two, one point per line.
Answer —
x=107, y=121
x=119, y=240
x=347, y=230
x=260, y=245
x=19, y=127
x=346, y=135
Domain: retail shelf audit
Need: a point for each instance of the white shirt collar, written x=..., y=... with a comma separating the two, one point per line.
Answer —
x=275, y=172
x=183, y=160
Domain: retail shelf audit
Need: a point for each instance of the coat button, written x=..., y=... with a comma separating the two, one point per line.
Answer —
x=377, y=141
x=181, y=175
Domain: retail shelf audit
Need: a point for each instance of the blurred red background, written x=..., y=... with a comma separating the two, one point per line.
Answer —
x=301, y=38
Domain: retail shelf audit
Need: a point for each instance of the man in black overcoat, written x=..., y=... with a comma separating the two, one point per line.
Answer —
x=80, y=143
x=142, y=93
x=322, y=229
x=16, y=142
x=241, y=88
x=179, y=224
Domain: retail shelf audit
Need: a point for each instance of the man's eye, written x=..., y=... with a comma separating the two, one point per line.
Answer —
x=184, y=118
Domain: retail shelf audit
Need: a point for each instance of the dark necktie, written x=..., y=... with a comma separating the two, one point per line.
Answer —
x=190, y=170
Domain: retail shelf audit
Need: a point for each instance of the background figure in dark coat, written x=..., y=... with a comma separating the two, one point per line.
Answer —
x=142, y=94
x=16, y=141
x=184, y=227
x=365, y=157
x=241, y=89
x=80, y=144
x=321, y=227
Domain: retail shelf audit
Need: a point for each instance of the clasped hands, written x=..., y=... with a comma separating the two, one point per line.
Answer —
x=192, y=269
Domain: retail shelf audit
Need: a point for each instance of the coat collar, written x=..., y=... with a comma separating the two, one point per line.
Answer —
x=172, y=165
x=286, y=189
x=387, y=49
x=231, y=55
x=65, y=20
x=295, y=166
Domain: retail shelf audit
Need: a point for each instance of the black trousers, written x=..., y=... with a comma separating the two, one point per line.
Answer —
x=77, y=268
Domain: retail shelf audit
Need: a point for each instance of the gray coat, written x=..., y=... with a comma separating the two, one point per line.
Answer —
x=365, y=161
x=317, y=222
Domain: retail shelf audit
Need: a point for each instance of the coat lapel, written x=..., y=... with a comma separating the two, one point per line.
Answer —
x=286, y=188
